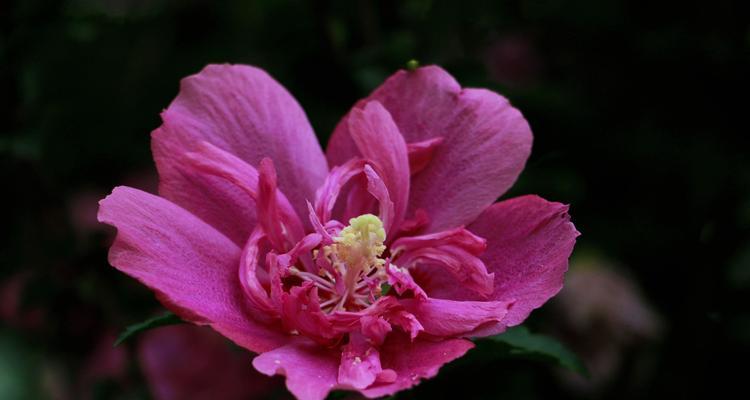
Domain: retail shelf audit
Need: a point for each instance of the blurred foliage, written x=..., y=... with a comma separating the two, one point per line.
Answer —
x=18, y=366
x=518, y=342
x=638, y=110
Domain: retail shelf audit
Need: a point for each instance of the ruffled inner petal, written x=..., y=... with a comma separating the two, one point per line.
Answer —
x=448, y=318
x=421, y=153
x=456, y=251
x=328, y=193
x=360, y=364
x=248, y=274
x=376, y=188
x=402, y=282
x=301, y=312
x=379, y=190
x=383, y=147
x=279, y=220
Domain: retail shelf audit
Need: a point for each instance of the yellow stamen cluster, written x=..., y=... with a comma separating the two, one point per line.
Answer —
x=361, y=241
x=355, y=269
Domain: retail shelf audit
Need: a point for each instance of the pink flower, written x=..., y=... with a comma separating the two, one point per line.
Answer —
x=367, y=275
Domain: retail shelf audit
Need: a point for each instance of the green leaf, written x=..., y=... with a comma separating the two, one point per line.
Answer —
x=384, y=289
x=519, y=342
x=162, y=320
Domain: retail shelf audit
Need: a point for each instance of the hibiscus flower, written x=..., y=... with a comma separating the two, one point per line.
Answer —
x=363, y=269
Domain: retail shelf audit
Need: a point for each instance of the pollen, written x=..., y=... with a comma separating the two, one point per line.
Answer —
x=362, y=240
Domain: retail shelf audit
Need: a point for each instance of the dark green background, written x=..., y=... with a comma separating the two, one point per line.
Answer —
x=639, y=111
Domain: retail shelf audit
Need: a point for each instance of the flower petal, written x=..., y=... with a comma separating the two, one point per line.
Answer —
x=360, y=363
x=382, y=145
x=191, y=266
x=378, y=189
x=402, y=282
x=466, y=270
x=388, y=308
x=456, y=250
x=275, y=214
x=457, y=237
x=301, y=312
x=416, y=224
x=244, y=111
x=311, y=370
x=318, y=227
x=529, y=241
x=375, y=328
x=248, y=275
x=449, y=318
x=486, y=143
x=328, y=193
x=268, y=206
x=219, y=203
x=414, y=361
x=420, y=153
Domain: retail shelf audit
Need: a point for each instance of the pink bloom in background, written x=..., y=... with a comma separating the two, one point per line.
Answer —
x=513, y=60
x=12, y=311
x=105, y=362
x=607, y=320
x=363, y=269
x=189, y=362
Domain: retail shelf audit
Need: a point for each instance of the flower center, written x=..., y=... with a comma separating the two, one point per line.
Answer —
x=350, y=270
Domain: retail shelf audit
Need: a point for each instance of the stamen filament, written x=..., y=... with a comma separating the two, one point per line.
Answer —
x=340, y=305
x=328, y=302
x=311, y=277
x=323, y=288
